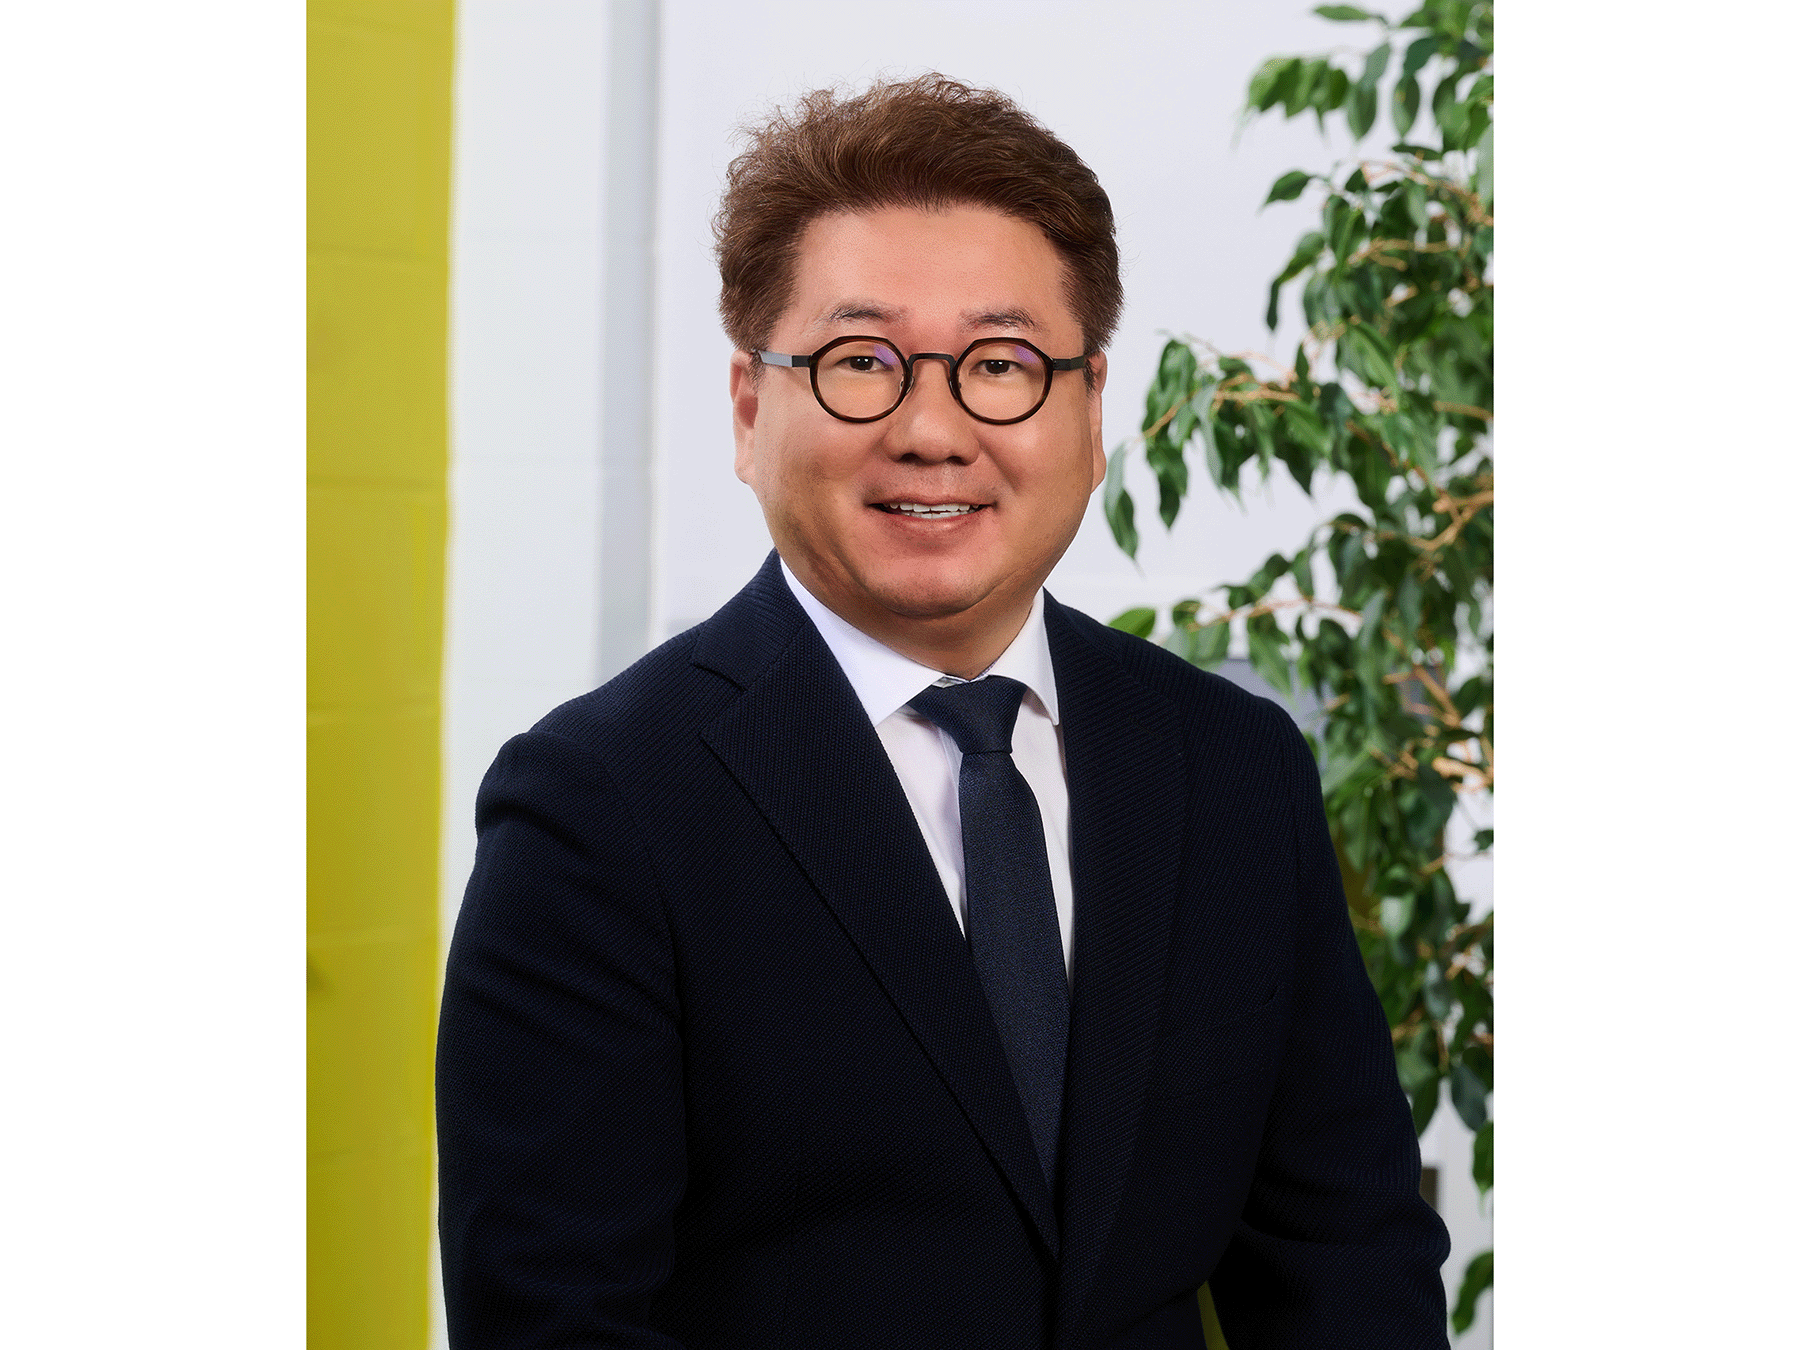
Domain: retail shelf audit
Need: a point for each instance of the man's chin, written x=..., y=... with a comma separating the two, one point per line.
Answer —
x=932, y=600
x=926, y=605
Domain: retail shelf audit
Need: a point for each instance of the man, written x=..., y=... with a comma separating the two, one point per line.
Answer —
x=900, y=959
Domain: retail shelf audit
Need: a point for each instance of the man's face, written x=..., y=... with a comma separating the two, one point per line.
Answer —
x=831, y=490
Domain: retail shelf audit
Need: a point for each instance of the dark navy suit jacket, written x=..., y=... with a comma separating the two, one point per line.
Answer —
x=715, y=1069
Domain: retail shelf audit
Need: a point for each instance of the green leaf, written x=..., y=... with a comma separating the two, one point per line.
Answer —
x=1117, y=501
x=1330, y=93
x=1170, y=489
x=1345, y=14
x=1474, y=124
x=1211, y=642
x=1296, y=98
x=1289, y=186
x=1289, y=449
x=1375, y=65
x=1424, y=1105
x=1404, y=105
x=1478, y=1278
x=1444, y=106
x=1268, y=654
x=1408, y=599
x=1436, y=989
x=1482, y=1169
x=1261, y=424
x=1306, y=252
x=1203, y=645
x=1480, y=1063
x=1138, y=622
x=1303, y=577
x=1484, y=840
x=1365, y=352
x=1169, y=397
x=1285, y=81
x=1274, y=567
x=1416, y=203
x=1219, y=441
x=1363, y=104
x=1345, y=227
x=1306, y=426
x=1417, y=54
x=1335, y=405
x=1468, y=1096
x=1263, y=92
x=1176, y=373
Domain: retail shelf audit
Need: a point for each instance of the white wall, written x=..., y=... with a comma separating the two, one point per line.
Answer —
x=523, y=590
x=1146, y=92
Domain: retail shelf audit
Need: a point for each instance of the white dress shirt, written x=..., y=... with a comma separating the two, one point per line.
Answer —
x=927, y=760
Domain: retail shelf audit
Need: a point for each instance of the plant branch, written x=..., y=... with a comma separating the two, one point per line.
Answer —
x=1438, y=405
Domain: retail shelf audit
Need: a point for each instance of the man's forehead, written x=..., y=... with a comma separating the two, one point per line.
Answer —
x=926, y=277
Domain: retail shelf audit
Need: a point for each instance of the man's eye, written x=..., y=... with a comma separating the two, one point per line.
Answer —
x=863, y=364
x=995, y=366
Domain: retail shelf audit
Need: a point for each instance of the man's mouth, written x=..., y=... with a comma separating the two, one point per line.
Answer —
x=924, y=511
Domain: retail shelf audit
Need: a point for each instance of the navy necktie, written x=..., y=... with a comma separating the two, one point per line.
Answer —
x=1014, y=937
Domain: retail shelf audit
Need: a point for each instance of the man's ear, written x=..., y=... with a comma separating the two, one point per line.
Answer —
x=744, y=396
x=1097, y=364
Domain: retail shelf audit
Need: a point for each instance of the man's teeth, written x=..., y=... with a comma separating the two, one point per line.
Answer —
x=920, y=509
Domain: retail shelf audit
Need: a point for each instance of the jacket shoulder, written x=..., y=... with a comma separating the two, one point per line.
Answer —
x=685, y=683
x=661, y=693
x=1199, y=696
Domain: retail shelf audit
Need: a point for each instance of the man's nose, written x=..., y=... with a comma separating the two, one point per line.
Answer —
x=930, y=424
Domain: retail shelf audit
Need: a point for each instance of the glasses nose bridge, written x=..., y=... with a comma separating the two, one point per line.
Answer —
x=950, y=363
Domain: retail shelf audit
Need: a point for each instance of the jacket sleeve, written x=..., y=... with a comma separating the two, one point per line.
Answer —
x=1335, y=1245
x=559, y=1092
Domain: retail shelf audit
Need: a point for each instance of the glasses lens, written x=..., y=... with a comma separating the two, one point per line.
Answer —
x=1002, y=380
x=860, y=377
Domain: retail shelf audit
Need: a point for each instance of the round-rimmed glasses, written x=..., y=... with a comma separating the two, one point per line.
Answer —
x=998, y=380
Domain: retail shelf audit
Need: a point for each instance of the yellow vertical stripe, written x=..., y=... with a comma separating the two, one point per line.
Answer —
x=379, y=100
x=1209, y=1321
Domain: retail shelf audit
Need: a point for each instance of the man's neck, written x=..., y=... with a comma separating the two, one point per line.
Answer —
x=963, y=645
x=960, y=650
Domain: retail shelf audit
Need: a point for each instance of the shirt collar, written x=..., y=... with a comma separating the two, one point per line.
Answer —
x=885, y=681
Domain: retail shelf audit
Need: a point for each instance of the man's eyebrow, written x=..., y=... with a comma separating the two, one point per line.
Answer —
x=869, y=311
x=860, y=311
x=1000, y=318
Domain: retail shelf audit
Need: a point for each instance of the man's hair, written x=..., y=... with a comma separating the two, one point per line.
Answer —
x=927, y=143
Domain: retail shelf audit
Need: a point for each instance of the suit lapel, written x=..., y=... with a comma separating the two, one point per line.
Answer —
x=799, y=743
x=1121, y=743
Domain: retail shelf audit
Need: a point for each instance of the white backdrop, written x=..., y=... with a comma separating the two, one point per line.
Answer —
x=1146, y=92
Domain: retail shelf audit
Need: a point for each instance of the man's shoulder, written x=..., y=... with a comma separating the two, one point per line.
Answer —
x=688, y=681
x=661, y=689
x=1200, y=698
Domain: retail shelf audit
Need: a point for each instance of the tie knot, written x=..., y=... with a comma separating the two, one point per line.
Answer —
x=978, y=715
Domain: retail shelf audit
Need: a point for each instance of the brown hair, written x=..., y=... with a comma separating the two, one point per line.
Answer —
x=928, y=143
